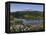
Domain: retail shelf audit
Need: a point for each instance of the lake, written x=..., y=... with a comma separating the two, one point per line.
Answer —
x=30, y=21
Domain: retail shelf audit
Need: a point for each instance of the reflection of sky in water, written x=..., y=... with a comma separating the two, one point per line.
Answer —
x=32, y=21
x=20, y=7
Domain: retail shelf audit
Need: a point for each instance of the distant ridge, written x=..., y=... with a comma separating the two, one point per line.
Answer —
x=30, y=10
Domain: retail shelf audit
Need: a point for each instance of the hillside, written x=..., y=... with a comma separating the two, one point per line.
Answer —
x=28, y=14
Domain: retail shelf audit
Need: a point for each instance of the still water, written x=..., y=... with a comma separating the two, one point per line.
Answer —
x=30, y=21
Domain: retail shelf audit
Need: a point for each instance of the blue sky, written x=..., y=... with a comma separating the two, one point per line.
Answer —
x=20, y=7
